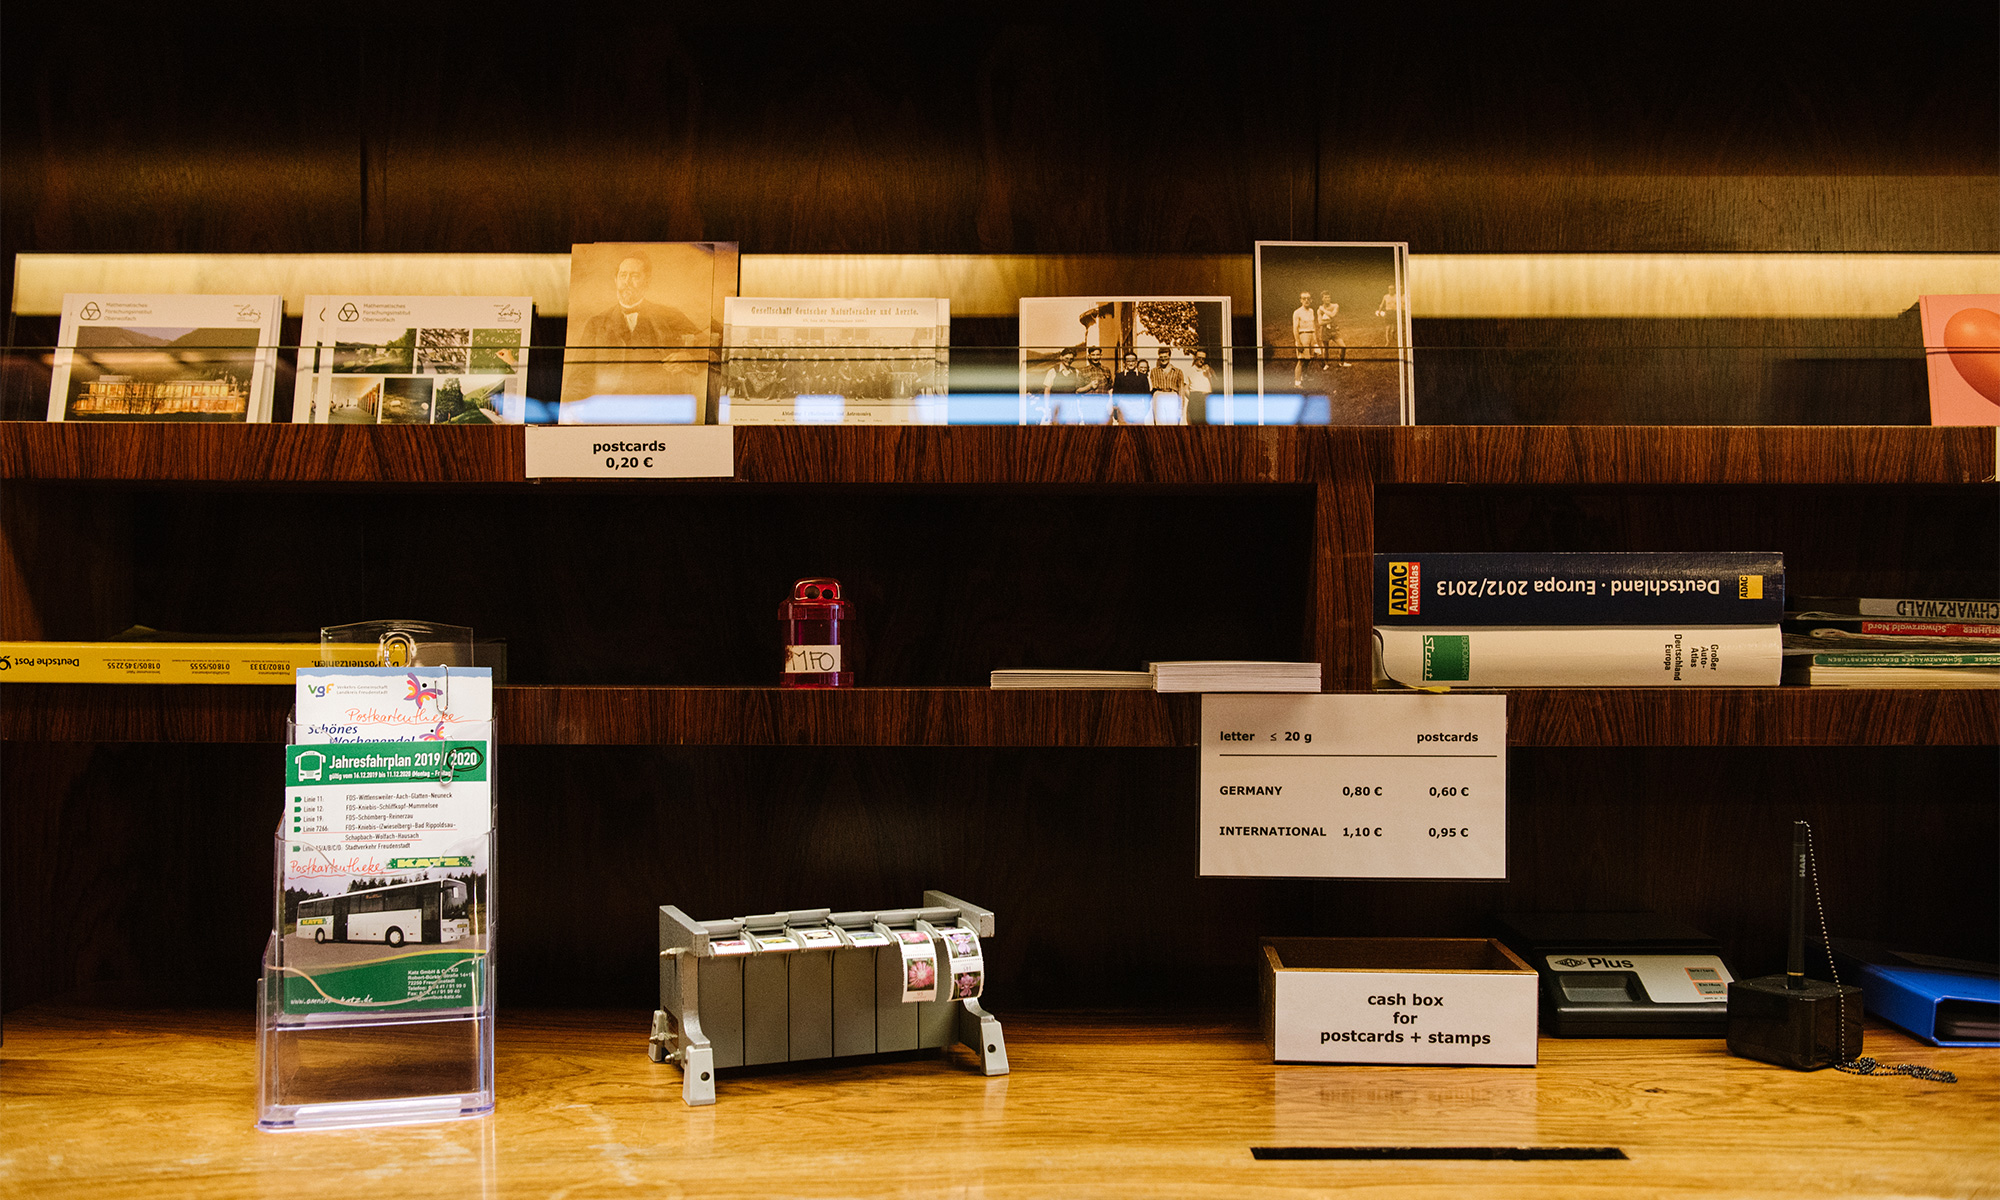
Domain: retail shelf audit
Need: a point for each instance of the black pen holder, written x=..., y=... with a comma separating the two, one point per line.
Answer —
x=1804, y=1029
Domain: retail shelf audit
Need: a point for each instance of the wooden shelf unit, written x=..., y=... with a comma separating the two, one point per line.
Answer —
x=1088, y=456
x=582, y=715
x=639, y=616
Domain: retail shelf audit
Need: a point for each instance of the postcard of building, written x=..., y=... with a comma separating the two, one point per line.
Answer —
x=413, y=360
x=188, y=358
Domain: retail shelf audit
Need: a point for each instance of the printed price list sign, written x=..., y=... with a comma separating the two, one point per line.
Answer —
x=629, y=452
x=1354, y=786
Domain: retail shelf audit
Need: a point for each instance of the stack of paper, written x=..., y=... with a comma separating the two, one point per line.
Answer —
x=1132, y=680
x=1234, y=676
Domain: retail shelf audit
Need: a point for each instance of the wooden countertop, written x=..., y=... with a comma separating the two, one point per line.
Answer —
x=117, y=1103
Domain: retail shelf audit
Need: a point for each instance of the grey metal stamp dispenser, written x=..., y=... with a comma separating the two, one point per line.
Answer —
x=827, y=999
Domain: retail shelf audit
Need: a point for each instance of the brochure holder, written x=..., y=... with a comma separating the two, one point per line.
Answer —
x=827, y=997
x=406, y=643
x=342, y=1055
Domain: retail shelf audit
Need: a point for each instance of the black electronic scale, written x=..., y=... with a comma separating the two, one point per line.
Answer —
x=1623, y=975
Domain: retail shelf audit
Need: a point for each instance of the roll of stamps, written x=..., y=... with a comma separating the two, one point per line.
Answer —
x=965, y=966
x=920, y=968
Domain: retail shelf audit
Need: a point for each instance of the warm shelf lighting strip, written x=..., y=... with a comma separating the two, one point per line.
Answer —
x=990, y=285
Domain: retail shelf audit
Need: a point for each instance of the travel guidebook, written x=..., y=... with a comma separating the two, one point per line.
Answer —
x=1333, y=333
x=645, y=325
x=1629, y=588
x=824, y=361
x=1125, y=360
x=413, y=360
x=165, y=358
x=1847, y=641
x=1948, y=666
x=385, y=841
x=1579, y=656
x=1962, y=352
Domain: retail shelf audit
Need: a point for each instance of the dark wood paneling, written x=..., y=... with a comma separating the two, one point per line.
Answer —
x=843, y=136
x=1905, y=835
x=581, y=716
x=1040, y=454
x=140, y=712
x=590, y=586
x=116, y=875
x=128, y=129
x=141, y=866
x=1784, y=716
x=1076, y=455
x=854, y=717
x=280, y=453
x=1692, y=128
x=890, y=717
x=1057, y=455
x=1492, y=132
x=1605, y=454
x=1514, y=209
x=65, y=563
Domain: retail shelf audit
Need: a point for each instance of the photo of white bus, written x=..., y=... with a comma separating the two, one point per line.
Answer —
x=432, y=910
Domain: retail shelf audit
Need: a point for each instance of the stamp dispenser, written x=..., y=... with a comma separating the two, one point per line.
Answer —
x=768, y=1006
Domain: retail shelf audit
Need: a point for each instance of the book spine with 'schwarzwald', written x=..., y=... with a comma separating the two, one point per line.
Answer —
x=1581, y=656
x=1906, y=608
x=1706, y=588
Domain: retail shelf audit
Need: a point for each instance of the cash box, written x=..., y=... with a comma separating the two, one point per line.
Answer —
x=1442, y=1001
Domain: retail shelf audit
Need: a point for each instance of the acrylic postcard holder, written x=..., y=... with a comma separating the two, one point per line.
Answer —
x=327, y=1064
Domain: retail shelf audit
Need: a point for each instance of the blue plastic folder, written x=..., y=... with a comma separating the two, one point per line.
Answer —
x=1927, y=996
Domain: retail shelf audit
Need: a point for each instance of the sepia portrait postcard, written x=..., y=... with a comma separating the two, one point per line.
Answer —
x=645, y=326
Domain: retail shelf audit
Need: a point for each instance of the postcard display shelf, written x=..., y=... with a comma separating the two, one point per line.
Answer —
x=814, y=984
x=383, y=1013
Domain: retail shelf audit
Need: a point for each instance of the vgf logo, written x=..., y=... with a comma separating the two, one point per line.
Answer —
x=316, y=689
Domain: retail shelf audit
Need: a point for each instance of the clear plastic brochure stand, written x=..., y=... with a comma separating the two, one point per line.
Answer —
x=376, y=1002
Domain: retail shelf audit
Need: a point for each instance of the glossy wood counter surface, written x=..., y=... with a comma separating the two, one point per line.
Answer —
x=152, y=1104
